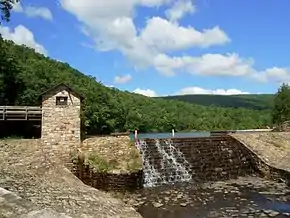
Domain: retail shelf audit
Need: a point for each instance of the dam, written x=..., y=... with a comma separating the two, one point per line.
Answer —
x=215, y=176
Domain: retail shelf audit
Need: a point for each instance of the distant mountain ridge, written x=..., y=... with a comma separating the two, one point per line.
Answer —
x=249, y=101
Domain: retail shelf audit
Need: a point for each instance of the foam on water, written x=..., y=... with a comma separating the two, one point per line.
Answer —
x=173, y=165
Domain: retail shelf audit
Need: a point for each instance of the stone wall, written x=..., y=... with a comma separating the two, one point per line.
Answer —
x=110, y=163
x=210, y=158
x=218, y=158
x=271, y=152
x=61, y=124
x=264, y=169
x=107, y=181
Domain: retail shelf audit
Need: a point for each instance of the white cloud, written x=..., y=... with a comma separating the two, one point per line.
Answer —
x=22, y=36
x=146, y=92
x=194, y=90
x=111, y=25
x=32, y=11
x=109, y=86
x=123, y=79
x=198, y=90
x=179, y=9
x=274, y=74
x=164, y=36
x=208, y=64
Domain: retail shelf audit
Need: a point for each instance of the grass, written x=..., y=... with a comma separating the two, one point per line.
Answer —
x=132, y=162
x=135, y=163
x=100, y=164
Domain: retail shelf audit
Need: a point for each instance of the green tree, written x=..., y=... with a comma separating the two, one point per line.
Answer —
x=11, y=84
x=281, y=110
x=25, y=74
x=5, y=8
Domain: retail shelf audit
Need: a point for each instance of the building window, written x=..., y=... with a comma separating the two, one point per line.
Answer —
x=61, y=100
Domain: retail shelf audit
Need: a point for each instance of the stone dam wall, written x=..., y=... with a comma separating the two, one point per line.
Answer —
x=209, y=158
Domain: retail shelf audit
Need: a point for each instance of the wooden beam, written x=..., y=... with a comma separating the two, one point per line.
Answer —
x=20, y=107
x=20, y=113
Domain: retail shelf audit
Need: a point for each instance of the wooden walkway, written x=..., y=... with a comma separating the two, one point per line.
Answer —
x=18, y=113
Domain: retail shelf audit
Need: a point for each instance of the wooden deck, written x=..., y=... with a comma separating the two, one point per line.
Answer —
x=18, y=113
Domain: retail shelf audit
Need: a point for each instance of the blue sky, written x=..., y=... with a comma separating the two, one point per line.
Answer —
x=163, y=47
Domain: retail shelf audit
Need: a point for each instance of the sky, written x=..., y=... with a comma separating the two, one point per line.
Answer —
x=163, y=47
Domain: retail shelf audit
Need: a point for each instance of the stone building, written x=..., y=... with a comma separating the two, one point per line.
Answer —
x=61, y=121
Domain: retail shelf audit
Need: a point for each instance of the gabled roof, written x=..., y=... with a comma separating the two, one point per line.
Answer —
x=62, y=86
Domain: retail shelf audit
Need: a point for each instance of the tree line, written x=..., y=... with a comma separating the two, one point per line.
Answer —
x=25, y=74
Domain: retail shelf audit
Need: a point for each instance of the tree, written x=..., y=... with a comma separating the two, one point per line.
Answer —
x=25, y=74
x=11, y=85
x=281, y=110
x=5, y=8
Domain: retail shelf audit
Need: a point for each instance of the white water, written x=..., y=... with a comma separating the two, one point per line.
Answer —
x=151, y=174
x=173, y=166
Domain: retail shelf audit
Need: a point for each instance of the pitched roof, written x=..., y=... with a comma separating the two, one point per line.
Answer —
x=62, y=86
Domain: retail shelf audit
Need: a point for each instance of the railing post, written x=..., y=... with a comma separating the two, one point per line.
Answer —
x=4, y=112
x=136, y=134
x=26, y=113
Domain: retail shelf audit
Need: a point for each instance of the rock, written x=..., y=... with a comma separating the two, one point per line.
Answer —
x=183, y=204
x=166, y=199
x=45, y=213
x=271, y=213
x=157, y=204
x=43, y=182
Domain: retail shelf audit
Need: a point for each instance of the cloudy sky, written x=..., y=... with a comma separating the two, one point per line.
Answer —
x=163, y=47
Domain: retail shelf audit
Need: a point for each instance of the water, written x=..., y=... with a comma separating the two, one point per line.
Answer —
x=169, y=135
x=186, y=134
x=243, y=197
x=151, y=174
x=175, y=194
x=172, y=168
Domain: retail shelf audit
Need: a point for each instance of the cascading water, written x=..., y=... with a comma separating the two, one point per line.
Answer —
x=163, y=163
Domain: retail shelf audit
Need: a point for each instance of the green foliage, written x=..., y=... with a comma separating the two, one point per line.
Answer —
x=5, y=8
x=107, y=110
x=100, y=164
x=251, y=101
x=281, y=110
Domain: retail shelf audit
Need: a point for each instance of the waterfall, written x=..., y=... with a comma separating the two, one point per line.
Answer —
x=163, y=162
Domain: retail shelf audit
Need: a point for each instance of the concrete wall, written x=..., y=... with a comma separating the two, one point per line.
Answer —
x=61, y=124
x=211, y=158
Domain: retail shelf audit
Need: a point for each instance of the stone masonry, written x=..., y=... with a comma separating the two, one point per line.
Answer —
x=61, y=122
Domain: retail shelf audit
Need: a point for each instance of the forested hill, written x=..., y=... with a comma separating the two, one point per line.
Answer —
x=25, y=74
x=251, y=101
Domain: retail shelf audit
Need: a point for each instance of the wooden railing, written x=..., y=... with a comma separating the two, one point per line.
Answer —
x=14, y=113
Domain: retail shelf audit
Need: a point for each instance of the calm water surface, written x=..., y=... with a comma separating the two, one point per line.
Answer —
x=169, y=135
